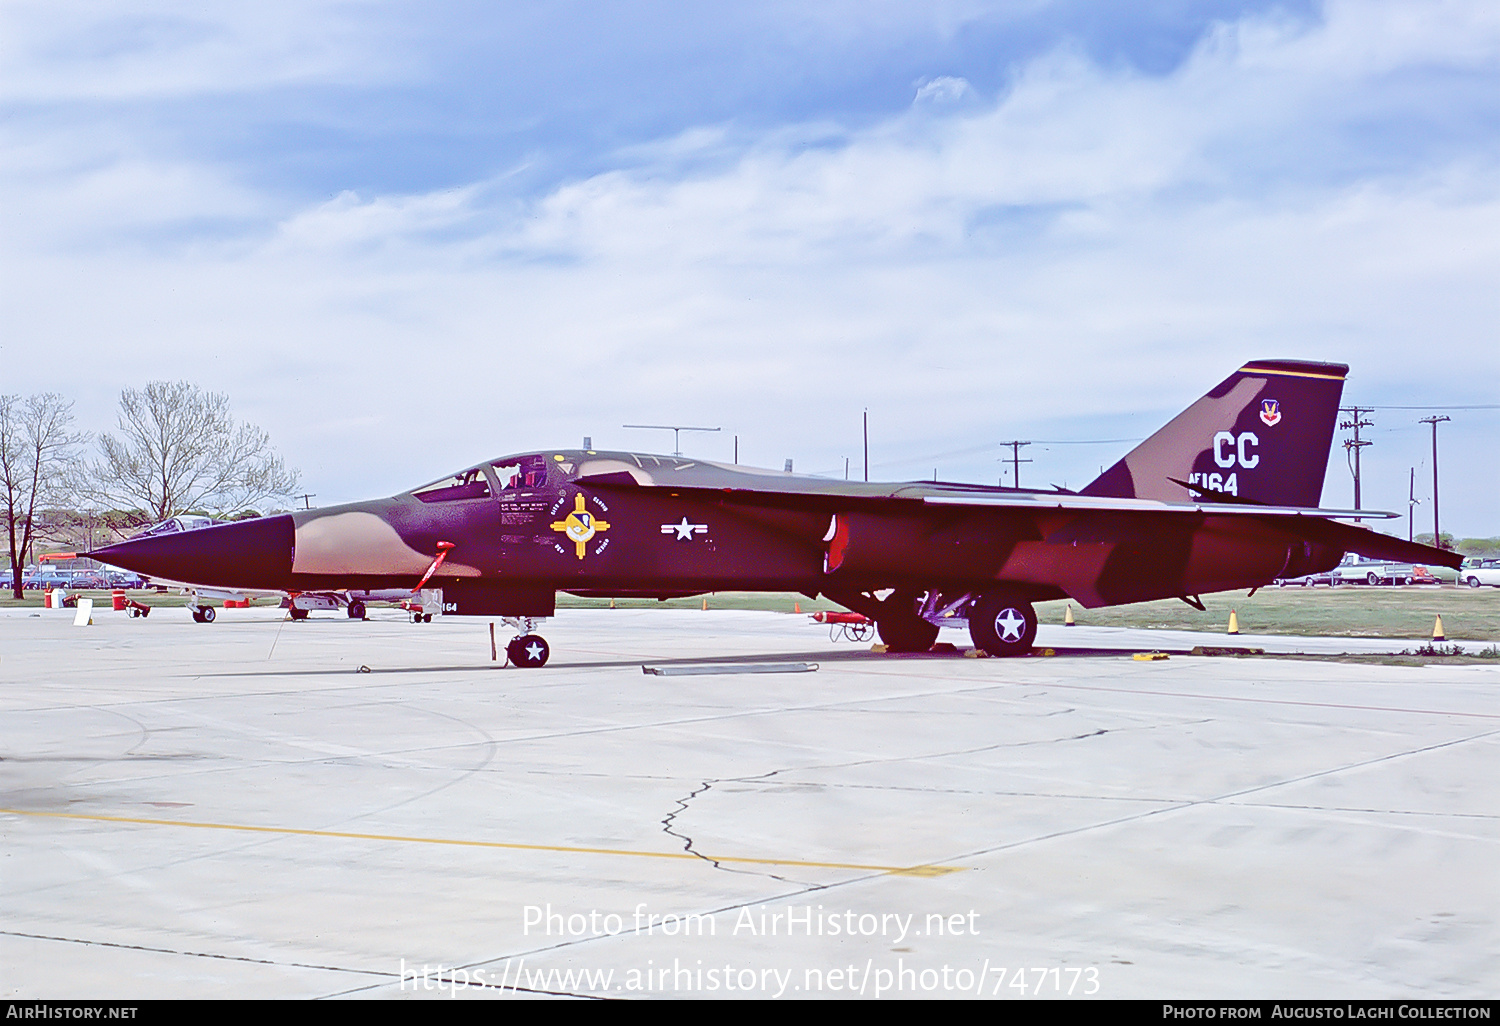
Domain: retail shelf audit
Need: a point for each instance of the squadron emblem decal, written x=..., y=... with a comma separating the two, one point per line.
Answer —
x=1270, y=412
x=580, y=525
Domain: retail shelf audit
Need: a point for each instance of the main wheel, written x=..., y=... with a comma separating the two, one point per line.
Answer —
x=356, y=610
x=1002, y=624
x=295, y=613
x=198, y=616
x=529, y=651
x=208, y=614
x=901, y=629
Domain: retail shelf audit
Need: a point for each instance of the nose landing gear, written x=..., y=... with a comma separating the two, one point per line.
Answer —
x=526, y=650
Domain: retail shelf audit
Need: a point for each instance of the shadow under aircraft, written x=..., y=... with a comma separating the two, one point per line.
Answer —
x=1223, y=497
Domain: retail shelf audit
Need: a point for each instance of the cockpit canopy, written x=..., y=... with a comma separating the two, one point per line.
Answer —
x=173, y=525
x=523, y=473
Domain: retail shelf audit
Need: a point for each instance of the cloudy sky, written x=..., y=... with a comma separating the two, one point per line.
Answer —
x=405, y=237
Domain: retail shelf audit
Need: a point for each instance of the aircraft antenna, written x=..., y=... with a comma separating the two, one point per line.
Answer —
x=676, y=430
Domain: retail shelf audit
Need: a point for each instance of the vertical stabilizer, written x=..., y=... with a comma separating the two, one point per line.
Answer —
x=1260, y=436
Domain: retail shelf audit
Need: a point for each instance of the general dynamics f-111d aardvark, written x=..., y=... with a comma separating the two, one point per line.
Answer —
x=1223, y=497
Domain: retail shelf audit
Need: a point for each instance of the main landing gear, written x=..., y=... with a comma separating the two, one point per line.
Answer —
x=1001, y=622
x=901, y=627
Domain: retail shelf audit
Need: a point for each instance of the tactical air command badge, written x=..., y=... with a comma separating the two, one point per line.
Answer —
x=1270, y=412
x=580, y=526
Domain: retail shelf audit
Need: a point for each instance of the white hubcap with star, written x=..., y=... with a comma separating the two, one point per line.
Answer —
x=1010, y=625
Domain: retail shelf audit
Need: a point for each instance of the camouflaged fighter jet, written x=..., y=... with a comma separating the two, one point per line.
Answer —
x=1223, y=497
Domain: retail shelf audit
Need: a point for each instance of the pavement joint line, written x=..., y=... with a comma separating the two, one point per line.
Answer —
x=918, y=870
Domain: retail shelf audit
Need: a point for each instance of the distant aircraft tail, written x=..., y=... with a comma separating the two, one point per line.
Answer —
x=1261, y=436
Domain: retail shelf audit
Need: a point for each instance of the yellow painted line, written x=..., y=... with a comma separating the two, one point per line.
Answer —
x=894, y=870
x=1292, y=374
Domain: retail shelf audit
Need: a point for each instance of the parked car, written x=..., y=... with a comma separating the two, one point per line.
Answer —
x=1306, y=580
x=1479, y=572
x=1358, y=570
x=48, y=578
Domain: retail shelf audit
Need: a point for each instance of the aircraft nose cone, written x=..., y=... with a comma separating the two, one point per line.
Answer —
x=248, y=554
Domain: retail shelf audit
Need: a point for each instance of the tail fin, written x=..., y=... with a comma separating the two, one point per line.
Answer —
x=1261, y=436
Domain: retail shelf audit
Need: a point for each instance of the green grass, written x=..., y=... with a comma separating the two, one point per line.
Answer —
x=1346, y=612
x=1350, y=611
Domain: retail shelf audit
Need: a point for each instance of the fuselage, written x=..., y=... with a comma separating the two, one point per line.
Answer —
x=508, y=534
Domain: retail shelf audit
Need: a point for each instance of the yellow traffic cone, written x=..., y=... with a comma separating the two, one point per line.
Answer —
x=1234, y=622
x=1437, y=630
x=611, y=603
x=1068, y=616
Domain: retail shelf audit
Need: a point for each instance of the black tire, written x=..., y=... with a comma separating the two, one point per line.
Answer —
x=198, y=616
x=1002, y=624
x=295, y=613
x=529, y=651
x=1372, y=578
x=208, y=614
x=901, y=629
x=356, y=610
x=1473, y=582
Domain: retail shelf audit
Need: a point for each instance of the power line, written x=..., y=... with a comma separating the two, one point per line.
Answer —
x=1486, y=406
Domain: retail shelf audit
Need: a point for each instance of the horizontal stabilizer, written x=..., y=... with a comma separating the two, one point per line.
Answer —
x=1374, y=545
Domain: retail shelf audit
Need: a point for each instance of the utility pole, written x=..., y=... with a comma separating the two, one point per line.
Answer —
x=1437, y=539
x=1015, y=461
x=867, y=444
x=1353, y=445
x=1411, y=504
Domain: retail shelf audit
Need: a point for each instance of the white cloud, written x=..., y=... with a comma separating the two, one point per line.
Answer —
x=58, y=50
x=1095, y=242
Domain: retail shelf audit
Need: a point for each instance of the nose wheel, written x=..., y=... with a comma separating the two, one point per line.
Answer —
x=528, y=651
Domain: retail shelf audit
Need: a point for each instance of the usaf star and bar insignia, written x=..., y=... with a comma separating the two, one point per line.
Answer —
x=685, y=530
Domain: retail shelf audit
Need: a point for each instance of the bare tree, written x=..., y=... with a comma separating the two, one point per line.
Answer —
x=179, y=449
x=39, y=456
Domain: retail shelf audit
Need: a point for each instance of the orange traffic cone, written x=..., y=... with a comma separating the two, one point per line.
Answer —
x=796, y=607
x=1437, y=630
x=1234, y=622
x=705, y=605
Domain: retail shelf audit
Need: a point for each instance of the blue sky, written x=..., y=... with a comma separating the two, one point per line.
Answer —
x=406, y=237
